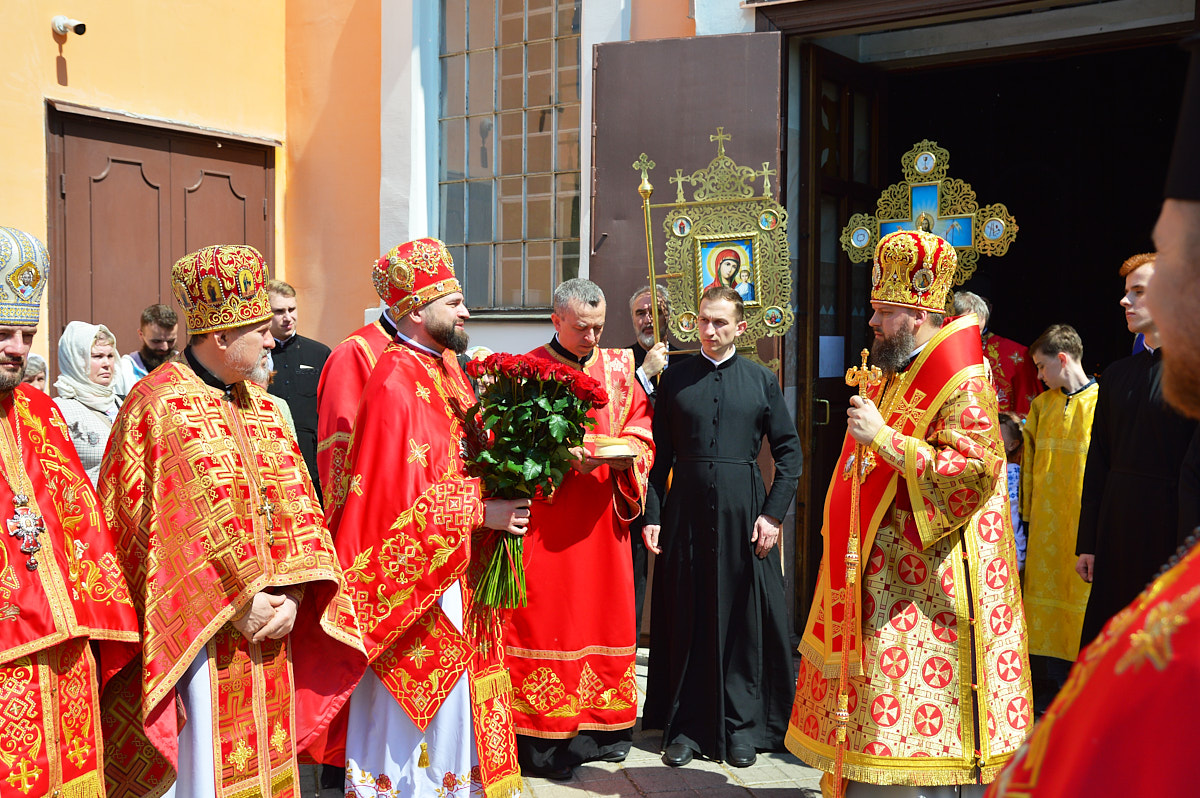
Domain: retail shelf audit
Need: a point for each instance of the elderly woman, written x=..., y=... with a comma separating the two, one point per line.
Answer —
x=87, y=357
x=35, y=371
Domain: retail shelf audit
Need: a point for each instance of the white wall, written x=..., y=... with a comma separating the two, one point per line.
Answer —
x=722, y=16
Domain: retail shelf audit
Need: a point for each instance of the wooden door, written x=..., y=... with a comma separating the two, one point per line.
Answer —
x=128, y=200
x=841, y=124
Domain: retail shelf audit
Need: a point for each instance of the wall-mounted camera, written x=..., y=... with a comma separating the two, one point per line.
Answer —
x=63, y=25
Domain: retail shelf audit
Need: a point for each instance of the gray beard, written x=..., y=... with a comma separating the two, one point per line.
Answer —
x=892, y=354
x=646, y=340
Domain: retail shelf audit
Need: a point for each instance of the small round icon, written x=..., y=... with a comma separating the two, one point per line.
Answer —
x=925, y=162
x=860, y=237
x=686, y=321
x=768, y=220
x=681, y=226
x=993, y=229
x=773, y=316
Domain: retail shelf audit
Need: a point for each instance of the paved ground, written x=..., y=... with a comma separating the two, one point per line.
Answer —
x=644, y=774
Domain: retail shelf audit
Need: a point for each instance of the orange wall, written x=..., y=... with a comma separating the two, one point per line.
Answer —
x=211, y=63
x=331, y=211
x=660, y=19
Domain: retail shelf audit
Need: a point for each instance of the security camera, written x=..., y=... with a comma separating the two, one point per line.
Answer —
x=63, y=25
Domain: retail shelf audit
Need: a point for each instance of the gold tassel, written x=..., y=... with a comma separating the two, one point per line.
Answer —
x=485, y=688
x=423, y=760
x=507, y=787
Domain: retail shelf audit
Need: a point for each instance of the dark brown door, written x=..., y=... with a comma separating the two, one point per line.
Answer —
x=841, y=124
x=127, y=201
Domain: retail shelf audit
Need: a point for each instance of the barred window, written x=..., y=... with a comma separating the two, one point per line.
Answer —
x=509, y=172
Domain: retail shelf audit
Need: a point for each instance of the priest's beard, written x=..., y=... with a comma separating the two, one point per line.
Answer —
x=153, y=358
x=891, y=353
x=448, y=335
x=646, y=339
x=11, y=378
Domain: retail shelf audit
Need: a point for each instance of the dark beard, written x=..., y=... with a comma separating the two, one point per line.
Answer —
x=892, y=354
x=152, y=359
x=450, y=337
x=9, y=381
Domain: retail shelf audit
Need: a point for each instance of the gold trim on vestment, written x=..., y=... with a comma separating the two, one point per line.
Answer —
x=608, y=651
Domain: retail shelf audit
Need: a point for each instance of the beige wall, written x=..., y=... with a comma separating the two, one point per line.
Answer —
x=660, y=19
x=331, y=211
x=209, y=63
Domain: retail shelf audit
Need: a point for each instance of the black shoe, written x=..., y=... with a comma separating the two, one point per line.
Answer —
x=613, y=756
x=551, y=774
x=677, y=755
x=742, y=756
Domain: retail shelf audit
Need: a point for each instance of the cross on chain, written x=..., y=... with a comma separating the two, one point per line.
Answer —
x=766, y=174
x=721, y=137
x=268, y=509
x=26, y=525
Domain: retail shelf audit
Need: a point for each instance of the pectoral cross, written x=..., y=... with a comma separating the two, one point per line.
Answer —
x=26, y=525
x=721, y=137
x=267, y=509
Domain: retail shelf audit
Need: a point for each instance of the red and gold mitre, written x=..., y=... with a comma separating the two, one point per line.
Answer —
x=24, y=267
x=914, y=269
x=221, y=287
x=414, y=274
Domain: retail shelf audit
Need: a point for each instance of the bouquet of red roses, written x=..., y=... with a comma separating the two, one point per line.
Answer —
x=532, y=412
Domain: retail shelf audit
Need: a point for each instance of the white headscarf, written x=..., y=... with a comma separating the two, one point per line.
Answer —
x=74, y=368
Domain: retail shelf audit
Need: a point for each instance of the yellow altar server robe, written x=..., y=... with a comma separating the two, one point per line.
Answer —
x=1057, y=432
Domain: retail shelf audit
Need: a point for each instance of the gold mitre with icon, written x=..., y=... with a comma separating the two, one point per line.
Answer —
x=221, y=287
x=24, y=269
x=914, y=269
x=727, y=233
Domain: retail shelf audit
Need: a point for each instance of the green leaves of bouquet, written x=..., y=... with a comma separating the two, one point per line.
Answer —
x=531, y=413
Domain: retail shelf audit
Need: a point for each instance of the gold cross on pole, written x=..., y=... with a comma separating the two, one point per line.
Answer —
x=766, y=174
x=721, y=137
x=862, y=376
x=644, y=164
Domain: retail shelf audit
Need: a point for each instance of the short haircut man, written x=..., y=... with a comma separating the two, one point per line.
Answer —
x=1057, y=434
x=61, y=596
x=572, y=644
x=298, y=363
x=157, y=333
x=1129, y=511
x=720, y=676
x=450, y=710
x=921, y=481
x=229, y=563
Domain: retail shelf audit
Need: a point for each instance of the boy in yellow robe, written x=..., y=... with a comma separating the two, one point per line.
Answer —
x=1057, y=432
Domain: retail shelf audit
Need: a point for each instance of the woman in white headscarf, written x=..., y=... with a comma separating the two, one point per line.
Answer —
x=87, y=358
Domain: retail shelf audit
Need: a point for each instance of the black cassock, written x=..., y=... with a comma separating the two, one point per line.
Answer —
x=1130, y=506
x=720, y=659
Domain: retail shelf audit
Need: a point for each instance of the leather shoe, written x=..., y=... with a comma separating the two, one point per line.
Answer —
x=677, y=755
x=613, y=756
x=551, y=774
x=742, y=756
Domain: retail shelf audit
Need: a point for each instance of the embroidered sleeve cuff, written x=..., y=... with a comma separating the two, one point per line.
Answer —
x=889, y=445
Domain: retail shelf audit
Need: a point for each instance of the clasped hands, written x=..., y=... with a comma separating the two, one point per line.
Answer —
x=270, y=616
x=766, y=535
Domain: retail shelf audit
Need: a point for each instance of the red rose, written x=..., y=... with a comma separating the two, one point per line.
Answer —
x=449, y=782
x=383, y=783
x=476, y=775
x=475, y=368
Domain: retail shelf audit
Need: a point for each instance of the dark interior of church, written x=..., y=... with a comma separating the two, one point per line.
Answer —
x=1077, y=148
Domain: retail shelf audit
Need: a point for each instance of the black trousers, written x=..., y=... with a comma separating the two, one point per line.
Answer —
x=587, y=746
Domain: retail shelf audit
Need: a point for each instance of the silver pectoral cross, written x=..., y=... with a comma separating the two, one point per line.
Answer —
x=26, y=525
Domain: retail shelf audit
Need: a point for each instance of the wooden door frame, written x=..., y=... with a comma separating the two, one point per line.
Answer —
x=57, y=112
x=815, y=64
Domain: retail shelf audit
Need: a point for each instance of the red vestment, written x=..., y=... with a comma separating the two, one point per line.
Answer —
x=1014, y=376
x=1123, y=716
x=186, y=484
x=342, y=381
x=50, y=741
x=571, y=651
x=405, y=536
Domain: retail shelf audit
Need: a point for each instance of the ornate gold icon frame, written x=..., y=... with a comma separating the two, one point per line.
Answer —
x=945, y=206
x=726, y=222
